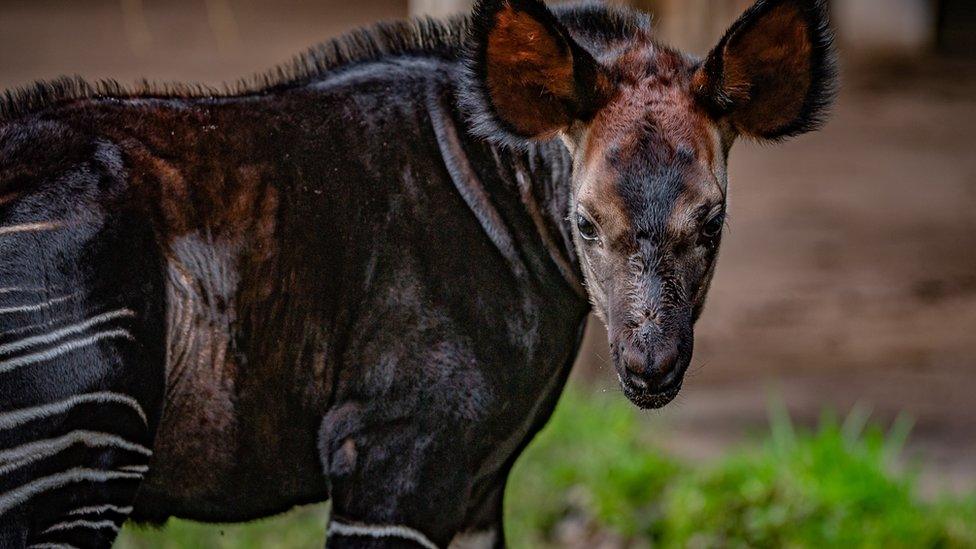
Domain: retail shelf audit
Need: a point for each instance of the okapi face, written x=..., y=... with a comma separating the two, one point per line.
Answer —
x=649, y=130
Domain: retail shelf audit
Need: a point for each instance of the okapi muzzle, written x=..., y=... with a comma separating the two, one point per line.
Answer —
x=649, y=288
x=651, y=334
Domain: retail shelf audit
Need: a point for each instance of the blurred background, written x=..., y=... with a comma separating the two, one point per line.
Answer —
x=847, y=281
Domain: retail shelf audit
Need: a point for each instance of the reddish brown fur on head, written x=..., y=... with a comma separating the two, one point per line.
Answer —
x=531, y=79
x=649, y=130
x=652, y=120
x=519, y=76
x=772, y=74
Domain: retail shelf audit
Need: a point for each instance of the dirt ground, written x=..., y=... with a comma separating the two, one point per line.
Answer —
x=848, y=275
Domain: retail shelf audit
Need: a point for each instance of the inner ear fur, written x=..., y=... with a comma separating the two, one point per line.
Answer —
x=773, y=73
x=528, y=78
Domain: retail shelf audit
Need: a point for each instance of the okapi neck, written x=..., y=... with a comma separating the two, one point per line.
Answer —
x=522, y=206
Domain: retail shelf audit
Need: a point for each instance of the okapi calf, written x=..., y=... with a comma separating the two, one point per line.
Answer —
x=365, y=277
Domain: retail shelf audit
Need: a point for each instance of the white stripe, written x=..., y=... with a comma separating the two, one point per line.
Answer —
x=12, y=289
x=55, y=352
x=380, y=531
x=99, y=509
x=135, y=468
x=29, y=327
x=26, y=454
x=36, y=226
x=58, y=334
x=51, y=546
x=19, y=495
x=92, y=525
x=15, y=418
x=37, y=306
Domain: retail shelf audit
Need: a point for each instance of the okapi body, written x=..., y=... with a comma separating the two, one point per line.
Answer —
x=366, y=279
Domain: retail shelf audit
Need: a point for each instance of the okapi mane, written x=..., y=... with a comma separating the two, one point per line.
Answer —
x=418, y=36
x=596, y=23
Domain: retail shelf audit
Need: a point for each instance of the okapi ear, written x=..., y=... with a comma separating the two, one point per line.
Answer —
x=773, y=74
x=526, y=76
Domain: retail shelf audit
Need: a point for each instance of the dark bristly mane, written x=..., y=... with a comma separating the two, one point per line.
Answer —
x=399, y=38
x=426, y=36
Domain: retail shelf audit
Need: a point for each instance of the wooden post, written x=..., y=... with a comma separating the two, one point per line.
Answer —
x=886, y=26
x=695, y=25
x=956, y=21
x=439, y=8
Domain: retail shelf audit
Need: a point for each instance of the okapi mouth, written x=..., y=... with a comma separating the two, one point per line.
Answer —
x=651, y=378
x=646, y=400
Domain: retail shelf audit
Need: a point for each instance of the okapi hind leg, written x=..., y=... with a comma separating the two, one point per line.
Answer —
x=76, y=426
x=81, y=364
x=76, y=430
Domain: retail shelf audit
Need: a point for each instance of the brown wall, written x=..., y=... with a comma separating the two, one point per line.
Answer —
x=864, y=27
x=197, y=40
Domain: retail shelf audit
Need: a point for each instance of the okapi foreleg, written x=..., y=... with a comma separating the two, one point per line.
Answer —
x=388, y=481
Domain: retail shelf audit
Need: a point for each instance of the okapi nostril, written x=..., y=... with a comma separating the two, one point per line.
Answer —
x=634, y=360
x=669, y=378
x=665, y=360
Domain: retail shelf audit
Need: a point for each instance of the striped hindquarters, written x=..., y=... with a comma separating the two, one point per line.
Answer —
x=70, y=460
x=81, y=359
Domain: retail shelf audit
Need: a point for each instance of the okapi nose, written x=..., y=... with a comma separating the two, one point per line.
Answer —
x=656, y=368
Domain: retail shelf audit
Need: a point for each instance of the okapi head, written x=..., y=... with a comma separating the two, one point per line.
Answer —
x=649, y=130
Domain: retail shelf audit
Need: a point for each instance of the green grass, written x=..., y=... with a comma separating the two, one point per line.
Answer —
x=836, y=487
x=595, y=472
x=301, y=528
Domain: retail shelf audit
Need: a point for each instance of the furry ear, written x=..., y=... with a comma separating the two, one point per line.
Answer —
x=773, y=74
x=526, y=76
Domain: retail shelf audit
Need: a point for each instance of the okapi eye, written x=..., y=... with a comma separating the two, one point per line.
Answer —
x=586, y=227
x=713, y=227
